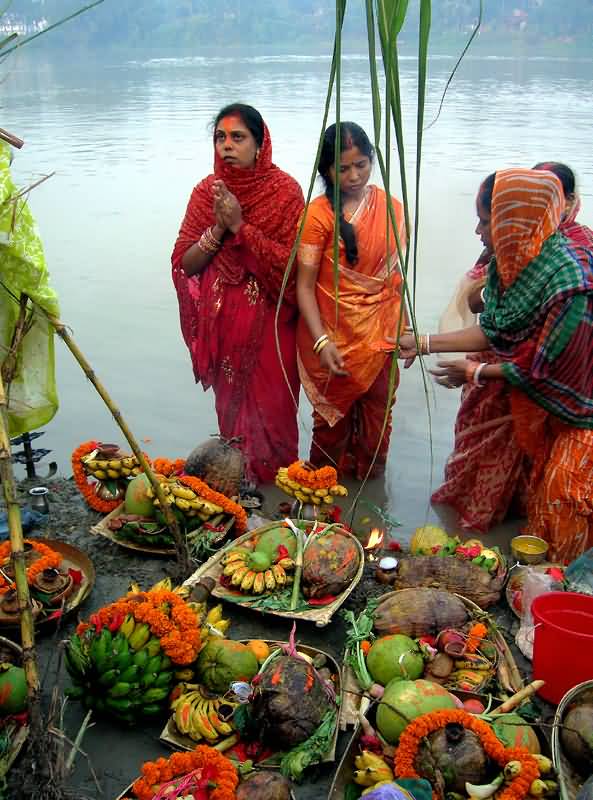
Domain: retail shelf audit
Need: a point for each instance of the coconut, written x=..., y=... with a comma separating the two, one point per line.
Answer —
x=395, y=656
x=576, y=736
x=137, y=500
x=264, y=786
x=513, y=731
x=452, y=757
x=404, y=700
x=223, y=661
x=13, y=689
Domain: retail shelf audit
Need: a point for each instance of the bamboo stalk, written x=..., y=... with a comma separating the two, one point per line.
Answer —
x=17, y=545
x=518, y=698
x=11, y=139
x=183, y=562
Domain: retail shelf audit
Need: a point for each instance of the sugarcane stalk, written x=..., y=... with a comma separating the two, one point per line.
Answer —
x=296, y=586
x=183, y=562
x=17, y=546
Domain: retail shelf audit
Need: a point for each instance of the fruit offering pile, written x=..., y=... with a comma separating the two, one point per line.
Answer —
x=262, y=566
x=430, y=540
x=126, y=658
x=309, y=485
x=114, y=469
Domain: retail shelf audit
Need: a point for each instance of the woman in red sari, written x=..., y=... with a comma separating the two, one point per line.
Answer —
x=488, y=472
x=228, y=263
x=343, y=370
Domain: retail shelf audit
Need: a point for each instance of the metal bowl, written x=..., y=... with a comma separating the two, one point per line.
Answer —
x=529, y=549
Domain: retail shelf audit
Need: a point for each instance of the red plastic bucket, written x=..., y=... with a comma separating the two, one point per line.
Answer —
x=563, y=642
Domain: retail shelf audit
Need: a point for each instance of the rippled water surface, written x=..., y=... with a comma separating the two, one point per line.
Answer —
x=128, y=140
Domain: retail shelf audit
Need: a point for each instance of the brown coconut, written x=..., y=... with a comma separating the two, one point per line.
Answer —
x=419, y=612
x=454, y=755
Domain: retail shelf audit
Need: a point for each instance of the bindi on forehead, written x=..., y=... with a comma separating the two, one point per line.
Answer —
x=230, y=124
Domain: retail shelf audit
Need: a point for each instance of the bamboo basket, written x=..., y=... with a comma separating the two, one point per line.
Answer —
x=320, y=615
x=507, y=672
x=102, y=529
x=172, y=738
x=20, y=737
x=569, y=779
x=72, y=558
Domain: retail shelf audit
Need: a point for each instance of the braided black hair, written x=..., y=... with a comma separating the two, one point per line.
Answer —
x=351, y=135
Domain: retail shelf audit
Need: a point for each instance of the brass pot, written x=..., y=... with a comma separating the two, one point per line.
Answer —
x=529, y=549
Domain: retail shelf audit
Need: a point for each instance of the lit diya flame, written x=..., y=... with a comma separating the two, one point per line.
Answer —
x=374, y=542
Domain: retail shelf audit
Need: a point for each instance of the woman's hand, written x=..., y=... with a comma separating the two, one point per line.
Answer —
x=407, y=348
x=450, y=374
x=227, y=208
x=331, y=359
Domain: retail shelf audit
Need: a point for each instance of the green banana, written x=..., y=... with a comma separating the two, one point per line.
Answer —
x=165, y=662
x=140, y=636
x=75, y=692
x=131, y=674
x=141, y=658
x=163, y=678
x=100, y=705
x=152, y=709
x=119, y=705
x=127, y=627
x=119, y=689
x=153, y=646
x=99, y=650
x=147, y=679
x=76, y=664
x=109, y=678
x=153, y=665
x=124, y=658
x=155, y=694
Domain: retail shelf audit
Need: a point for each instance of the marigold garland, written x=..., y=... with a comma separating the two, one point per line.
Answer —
x=87, y=489
x=163, y=770
x=203, y=490
x=166, y=467
x=477, y=632
x=178, y=631
x=49, y=558
x=421, y=727
x=322, y=478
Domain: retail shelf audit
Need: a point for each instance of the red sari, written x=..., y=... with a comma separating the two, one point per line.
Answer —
x=227, y=312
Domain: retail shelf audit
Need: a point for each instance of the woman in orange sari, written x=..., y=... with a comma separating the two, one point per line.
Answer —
x=344, y=372
x=538, y=319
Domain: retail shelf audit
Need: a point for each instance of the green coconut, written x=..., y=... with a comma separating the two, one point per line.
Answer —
x=223, y=661
x=137, y=500
x=271, y=540
x=13, y=689
x=394, y=656
x=513, y=731
x=404, y=700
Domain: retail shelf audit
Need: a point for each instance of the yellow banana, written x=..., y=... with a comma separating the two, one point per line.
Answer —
x=100, y=474
x=201, y=722
x=149, y=491
x=316, y=500
x=91, y=464
x=184, y=492
x=112, y=473
x=103, y=464
x=197, y=504
x=247, y=581
x=321, y=492
x=166, y=488
x=220, y=726
x=231, y=568
x=115, y=464
x=134, y=588
x=182, y=505
x=269, y=580
x=164, y=585
x=286, y=563
x=182, y=591
x=129, y=462
x=300, y=496
x=279, y=574
x=126, y=472
x=259, y=583
x=214, y=615
x=234, y=555
x=127, y=626
x=328, y=499
x=222, y=626
x=136, y=471
x=184, y=675
x=238, y=575
x=306, y=490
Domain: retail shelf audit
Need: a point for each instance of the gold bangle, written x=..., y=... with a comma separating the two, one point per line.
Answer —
x=320, y=342
x=321, y=346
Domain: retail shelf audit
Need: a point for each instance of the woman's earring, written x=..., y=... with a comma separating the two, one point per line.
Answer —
x=257, y=154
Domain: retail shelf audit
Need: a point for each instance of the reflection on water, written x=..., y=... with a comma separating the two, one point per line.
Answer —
x=128, y=141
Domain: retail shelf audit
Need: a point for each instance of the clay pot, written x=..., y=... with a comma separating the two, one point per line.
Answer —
x=52, y=581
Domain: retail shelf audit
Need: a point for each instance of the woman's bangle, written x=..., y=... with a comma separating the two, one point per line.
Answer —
x=470, y=371
x=208, y=243
x=476, y=375
x=483, y=295
x=320, y=343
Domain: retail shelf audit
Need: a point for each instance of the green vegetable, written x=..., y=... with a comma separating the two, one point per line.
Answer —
x=360, y=629
x=312, y=750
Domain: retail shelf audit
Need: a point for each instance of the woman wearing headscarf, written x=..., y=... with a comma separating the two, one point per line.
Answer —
x=538, y=319
x=228, y=263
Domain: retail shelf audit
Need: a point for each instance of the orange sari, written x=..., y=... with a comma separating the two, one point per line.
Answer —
x=349, y=411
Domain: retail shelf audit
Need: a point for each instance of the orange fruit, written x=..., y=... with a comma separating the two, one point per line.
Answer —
x=260, y=648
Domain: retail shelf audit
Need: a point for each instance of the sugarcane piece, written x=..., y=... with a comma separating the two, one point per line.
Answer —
x=183, y=561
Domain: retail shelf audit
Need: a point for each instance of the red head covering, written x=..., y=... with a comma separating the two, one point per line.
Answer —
x=527, y=205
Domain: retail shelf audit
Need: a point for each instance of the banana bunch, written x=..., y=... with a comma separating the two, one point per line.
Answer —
x=201, y=716
x=124, y=674
x=186, y=500
x=254, y=575
x=306, y=495
x=114, y=469
x=371, y=769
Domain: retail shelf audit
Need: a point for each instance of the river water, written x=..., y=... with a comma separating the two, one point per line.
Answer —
x=129, y=138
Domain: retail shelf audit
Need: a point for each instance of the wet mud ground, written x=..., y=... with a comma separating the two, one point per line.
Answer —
x=116, y=753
